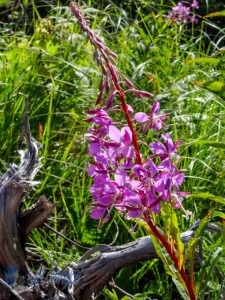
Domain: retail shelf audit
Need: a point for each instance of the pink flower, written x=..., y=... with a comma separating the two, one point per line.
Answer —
x=167, y=150
x=152, y=121
x=181, y=13
x=124, y=138
x=195, y=4
x=100, y=118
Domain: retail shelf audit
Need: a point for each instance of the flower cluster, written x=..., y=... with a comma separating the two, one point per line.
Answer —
x=118, y=180
x=182, y=13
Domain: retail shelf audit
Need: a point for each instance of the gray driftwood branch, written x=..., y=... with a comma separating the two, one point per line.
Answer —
x=15, y=225
x=87, y=277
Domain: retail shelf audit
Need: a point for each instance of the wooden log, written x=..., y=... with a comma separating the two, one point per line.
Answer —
x=87, y=277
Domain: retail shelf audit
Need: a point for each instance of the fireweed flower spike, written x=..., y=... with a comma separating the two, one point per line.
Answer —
x=123, y=178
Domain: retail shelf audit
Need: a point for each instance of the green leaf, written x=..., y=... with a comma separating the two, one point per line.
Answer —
x=2, y=2
x=164, y=256
x=218, y=214
x=191, y=246
x=210, y=143
x=181, y=289
x=169, y=266
x=208, y=196
x=220, y=52
x=204, y=60
x=215, y=14
x=171, y=228
x=110, y=295
x=223, y=233
x=221, y=215
x=215, y=87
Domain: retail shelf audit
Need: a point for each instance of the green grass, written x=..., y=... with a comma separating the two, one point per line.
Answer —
x=54, y=67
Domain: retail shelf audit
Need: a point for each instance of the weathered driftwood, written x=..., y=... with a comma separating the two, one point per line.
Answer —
x=86, y=278
x=15, y=225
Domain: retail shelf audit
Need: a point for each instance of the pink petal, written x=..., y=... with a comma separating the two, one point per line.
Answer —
x=156, y=209
x=168, y=140
x=91, y=170
x=175, y=146
x=141, y=117
x=179, y=178
x=97, y=213
x=158, y=148
x=155, y=107
x=114, y=133
x=128, y=152
x=127, y=135
x=159, y=186
x=94, y=148
x=133, y=214
x=133, y=200
x=163, y=117
x=120, y=177
x=130, y=109
x=135, y=184
x=184, y=194
x=153, y=167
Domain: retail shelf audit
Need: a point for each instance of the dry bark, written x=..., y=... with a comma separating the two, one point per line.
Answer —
x=15, y=225
x=86, y=278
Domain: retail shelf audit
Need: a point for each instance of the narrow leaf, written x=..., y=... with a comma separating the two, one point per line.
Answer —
x=204, y=60
x=210, y=143
x=208, y=196
x=215, y=14
x=216, y=87
x=189, y=250
x=181, y=289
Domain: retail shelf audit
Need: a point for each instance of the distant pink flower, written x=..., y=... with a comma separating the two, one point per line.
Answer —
x=193, y=19
x=195, y=4
x=182, y=13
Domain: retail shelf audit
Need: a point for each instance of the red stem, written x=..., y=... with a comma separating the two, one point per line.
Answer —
x=125, y=109
x=173, y=256
x=106, y=53
x=130, y=124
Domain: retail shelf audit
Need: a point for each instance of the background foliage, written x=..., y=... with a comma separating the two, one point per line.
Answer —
x=44, y=55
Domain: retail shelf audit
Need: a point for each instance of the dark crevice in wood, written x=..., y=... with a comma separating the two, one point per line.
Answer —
x=34, y=216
